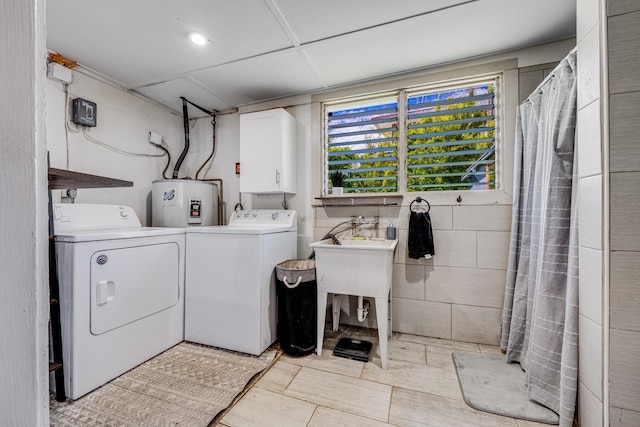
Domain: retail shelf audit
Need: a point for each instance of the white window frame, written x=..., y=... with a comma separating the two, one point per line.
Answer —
x=401, y=95
x=507, y=103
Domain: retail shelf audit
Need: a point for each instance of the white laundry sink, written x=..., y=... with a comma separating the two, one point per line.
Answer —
x=355, y=267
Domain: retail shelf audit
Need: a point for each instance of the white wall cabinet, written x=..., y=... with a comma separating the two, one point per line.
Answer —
x=268, y=152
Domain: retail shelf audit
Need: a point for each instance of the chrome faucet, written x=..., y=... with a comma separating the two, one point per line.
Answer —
x=359, y=220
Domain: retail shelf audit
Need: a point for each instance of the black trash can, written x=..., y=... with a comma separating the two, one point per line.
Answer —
x=296, y=290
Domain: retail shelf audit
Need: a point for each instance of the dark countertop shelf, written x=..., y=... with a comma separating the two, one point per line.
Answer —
x=60, y=179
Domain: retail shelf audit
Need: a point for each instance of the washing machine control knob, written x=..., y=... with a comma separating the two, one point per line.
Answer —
x=123, y=214
x=246, y=215
x=275, y=215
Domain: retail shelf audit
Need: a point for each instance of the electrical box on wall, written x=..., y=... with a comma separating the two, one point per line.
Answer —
x=84, y=112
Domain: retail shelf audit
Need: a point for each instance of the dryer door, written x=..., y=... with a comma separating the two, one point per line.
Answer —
x=130, y=283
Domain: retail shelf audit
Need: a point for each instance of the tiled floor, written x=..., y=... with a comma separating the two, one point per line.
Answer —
x=420, y=388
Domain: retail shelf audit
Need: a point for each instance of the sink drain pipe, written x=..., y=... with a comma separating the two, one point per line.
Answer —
x=363, y=308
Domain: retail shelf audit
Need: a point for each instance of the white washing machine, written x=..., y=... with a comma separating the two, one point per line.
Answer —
x=121, y=292
x=230, y=299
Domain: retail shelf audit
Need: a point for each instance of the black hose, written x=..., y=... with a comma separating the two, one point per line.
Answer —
x=164, y=171
x=185, y=120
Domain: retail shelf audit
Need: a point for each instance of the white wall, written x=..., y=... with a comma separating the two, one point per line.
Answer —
x=123, y=121
x=23, y=197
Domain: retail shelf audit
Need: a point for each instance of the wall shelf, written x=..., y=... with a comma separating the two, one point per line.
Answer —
x=360, y=200
x=60, y=179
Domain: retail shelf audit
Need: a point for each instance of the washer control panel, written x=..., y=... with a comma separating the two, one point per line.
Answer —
x=266, y=217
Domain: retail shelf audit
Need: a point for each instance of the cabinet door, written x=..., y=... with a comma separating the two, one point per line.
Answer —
x=260, y=152
x=268, y=152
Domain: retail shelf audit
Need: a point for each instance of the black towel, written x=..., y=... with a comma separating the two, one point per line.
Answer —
x=420, y=235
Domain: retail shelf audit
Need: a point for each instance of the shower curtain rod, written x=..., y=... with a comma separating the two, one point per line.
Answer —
x=552, y=73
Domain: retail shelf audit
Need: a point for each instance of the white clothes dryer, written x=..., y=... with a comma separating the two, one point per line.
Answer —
x=230, y=297
x=121, y=292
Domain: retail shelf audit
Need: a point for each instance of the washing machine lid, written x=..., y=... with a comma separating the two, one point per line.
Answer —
x=255, y=221
x=83, y=222
x=229, y=229
x=116, y=234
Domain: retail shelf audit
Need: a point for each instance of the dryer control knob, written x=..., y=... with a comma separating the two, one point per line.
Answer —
x=275, y=215
x=123, y=214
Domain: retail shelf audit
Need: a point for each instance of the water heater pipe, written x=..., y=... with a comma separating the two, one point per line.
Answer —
x=185, y=121
x=213, y=144
x=221, y=217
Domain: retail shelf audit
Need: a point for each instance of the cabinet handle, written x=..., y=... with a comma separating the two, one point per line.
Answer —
x=277, y=176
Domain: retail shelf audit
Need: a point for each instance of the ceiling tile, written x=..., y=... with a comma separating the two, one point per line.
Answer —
x=169, y=93
x=443, y=37
x=316, y=20
x=141, y=41
x=260, y=79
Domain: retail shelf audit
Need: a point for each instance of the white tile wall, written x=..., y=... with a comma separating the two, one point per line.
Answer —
x=590, y=356
x=588, y=14
x=409, y=281
x=331, y=216
x=468, y=286
x=590, y=408
x=497, y=218
x=589, y=140
x=590, y=295
x=589, y=69
x=430, y=319
x=441, y=217
x=624, y=373
x=590, y=212
x=453, y=249
x=475, y=324
x=493, y=249
x=624, y=299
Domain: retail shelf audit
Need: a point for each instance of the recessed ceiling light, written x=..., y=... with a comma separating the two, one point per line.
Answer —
x=197, y=38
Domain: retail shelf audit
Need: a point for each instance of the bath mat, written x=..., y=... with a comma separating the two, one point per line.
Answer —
x=490, y=384
x=187, y=385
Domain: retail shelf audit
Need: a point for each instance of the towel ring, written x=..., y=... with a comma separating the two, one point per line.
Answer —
x=419, y=200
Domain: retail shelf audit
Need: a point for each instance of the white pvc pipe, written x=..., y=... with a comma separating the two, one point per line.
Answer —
x=363, y=308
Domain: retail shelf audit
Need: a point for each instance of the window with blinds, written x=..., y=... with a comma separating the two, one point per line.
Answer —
x=362, y=143
x=451, y=138
x=443, y=136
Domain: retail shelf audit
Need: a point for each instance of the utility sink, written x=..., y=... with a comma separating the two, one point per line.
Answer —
x=362, y=267
x=355, y=267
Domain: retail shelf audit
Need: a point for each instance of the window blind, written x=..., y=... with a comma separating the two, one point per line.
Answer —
x=451, y=139
x=362, y=142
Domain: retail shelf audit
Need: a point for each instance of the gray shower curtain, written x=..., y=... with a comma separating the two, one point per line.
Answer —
x=540, y=315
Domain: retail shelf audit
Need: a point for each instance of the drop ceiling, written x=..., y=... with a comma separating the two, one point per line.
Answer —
x=261, y=50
